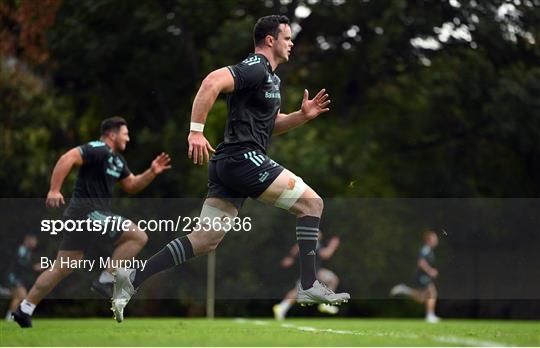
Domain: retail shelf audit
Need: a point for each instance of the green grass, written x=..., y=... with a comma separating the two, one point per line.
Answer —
x=266, y=332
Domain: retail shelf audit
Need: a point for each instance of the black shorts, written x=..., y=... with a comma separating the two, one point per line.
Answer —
x=15, y=279
x=422, y=281
x=87, y=238
x=235, y=178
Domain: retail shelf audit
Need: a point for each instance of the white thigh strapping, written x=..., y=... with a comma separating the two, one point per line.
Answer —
x=215, y=217
x=289, y=196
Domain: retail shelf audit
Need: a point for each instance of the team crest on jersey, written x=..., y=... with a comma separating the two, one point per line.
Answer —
x=263, y=176
x=115, y=166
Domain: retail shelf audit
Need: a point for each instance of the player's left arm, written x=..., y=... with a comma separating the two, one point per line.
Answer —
x=327, y=252
x=310, y=109
x=136, y=183
x=424, y=265
x=288, y=260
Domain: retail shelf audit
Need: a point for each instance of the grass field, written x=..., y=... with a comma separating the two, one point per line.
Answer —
x=266, y=332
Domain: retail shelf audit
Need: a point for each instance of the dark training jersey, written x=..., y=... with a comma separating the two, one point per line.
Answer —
x=101, y=169
x=252, y=107
x=427, y=254
x=22, y=262
x=20, y=272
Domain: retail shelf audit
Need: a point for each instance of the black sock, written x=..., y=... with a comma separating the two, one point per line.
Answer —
x=173, y=254
x=307, y=230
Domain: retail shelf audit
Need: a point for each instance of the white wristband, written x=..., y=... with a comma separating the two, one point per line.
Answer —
x=197, y=127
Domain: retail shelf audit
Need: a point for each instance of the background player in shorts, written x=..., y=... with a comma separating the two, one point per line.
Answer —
x=240, y=167
x=325, y=251
x=424, y=290
x=101, y=166
x=21, y=272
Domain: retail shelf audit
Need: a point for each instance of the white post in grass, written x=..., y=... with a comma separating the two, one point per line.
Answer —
x=210, y=284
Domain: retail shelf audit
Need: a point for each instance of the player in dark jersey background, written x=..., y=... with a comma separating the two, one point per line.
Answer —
x=240, y=167
x=424, y=290
x=101, y=166
x=325, y=250
x=21, y=272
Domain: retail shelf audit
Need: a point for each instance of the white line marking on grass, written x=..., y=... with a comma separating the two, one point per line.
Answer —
x=467, y=341
x=260, y=322
x=254, y=322
x=443, y=339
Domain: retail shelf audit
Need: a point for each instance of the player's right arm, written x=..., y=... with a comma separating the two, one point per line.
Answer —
x=327, y=252
x=60, y=171
x=424, y=266
x=218, y=81
x=288, y=260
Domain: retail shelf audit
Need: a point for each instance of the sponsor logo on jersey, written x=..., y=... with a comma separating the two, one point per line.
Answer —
x=272, y=95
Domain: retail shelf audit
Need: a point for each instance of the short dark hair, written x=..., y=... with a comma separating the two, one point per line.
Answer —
x=268, y=25
x=112, y=124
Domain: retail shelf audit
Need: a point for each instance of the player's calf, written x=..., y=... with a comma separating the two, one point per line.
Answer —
x=212, y=226
x=309, y=210
x=205, y=240
x=176, y=252
x=49, y=279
